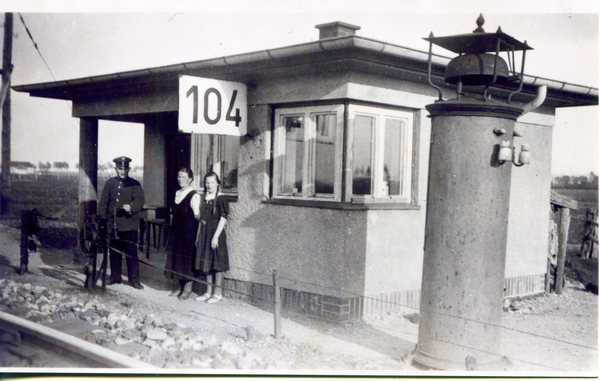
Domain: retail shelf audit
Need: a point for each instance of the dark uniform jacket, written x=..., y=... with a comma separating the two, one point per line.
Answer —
x=115, y=194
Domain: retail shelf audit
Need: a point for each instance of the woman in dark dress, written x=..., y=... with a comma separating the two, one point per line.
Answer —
x=185, y=214
x=212, y=258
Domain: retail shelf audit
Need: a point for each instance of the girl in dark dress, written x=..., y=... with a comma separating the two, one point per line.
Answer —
x=211, y=245
x=185, y=214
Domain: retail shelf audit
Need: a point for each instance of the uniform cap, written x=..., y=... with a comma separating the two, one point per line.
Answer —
x=122, y=161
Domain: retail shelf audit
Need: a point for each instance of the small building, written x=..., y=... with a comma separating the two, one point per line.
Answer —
x=329, y=184
x=22, y=168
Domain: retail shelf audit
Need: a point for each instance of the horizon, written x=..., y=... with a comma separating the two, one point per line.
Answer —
x=80, y=45
x=74, y=167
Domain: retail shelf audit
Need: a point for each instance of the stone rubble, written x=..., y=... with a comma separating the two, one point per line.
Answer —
x=144, y=337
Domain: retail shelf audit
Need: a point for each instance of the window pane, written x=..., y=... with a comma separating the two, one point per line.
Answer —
x=205, y=153
x=324, y=153
x=361, y=163
x=290, y=180
x=229, y=162
x=392, y=156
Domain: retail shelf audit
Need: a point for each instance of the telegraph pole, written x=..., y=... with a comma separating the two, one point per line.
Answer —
x=6, y=117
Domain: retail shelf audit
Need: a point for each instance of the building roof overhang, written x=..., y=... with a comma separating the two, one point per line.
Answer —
x=341, y=54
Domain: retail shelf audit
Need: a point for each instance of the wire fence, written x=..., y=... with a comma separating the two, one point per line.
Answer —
x=269, y=279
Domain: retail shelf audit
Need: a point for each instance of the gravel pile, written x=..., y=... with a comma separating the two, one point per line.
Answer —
x=146, y=337
x=547, y=303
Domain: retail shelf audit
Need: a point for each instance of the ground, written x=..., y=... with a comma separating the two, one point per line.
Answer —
x=549, y=333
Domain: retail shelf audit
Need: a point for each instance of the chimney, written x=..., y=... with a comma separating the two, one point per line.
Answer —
x=336, y=29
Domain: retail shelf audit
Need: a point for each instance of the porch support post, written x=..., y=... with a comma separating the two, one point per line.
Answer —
x=88, y=169
x=563, y=238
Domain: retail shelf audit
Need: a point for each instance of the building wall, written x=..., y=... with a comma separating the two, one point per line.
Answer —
x=530, y=198
x=395, y=238
x=347, y=250
x=375, y=252
x=314, y=250
x=345, y=253
x=394, y=250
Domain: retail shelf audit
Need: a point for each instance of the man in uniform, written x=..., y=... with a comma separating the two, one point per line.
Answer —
x=121, y=202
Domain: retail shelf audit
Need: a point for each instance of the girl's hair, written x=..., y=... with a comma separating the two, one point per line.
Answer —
x=188, y=171
x=213, y=174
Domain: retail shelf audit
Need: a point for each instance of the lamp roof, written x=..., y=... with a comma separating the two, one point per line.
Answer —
x=478, y=42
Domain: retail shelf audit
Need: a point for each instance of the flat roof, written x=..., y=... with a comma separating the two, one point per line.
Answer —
x=367, y=49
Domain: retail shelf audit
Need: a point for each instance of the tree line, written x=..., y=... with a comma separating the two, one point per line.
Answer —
x=43, y=167
x=579, y=182
x=63, y=165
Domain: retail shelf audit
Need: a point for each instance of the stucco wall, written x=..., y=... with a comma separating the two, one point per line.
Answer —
x=530, y=198
x=310, y=247
x=364, y=252
x=395, y=250
x=395, y=238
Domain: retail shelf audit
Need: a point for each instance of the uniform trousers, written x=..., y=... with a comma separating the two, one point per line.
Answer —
x=127, y=243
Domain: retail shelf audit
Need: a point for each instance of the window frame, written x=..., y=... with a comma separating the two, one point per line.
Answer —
x=408, y=200
x=309, y=152
x=377, y=155
x=217, y=156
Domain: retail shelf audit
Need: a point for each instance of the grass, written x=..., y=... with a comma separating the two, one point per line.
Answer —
x=55, y=197
x=50, y=195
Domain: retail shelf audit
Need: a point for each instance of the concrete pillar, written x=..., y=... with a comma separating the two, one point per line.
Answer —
x=465, y=234
x=88, y=169
x=155, y=163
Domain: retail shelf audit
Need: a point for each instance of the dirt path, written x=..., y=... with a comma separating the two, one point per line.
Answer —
x=238, y=337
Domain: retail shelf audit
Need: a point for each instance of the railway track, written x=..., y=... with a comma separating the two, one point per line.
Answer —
x=40, y=346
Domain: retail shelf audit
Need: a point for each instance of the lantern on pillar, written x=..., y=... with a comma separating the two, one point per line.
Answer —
x=468, y=201
x=475, y=65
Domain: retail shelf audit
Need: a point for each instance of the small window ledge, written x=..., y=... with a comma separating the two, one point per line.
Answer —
x=231, y=197
x=338, y=205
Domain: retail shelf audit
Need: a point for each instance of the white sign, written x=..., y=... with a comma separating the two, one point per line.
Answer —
x=210, y=106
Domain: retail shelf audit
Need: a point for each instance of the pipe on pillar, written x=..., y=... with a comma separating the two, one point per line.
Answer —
x=88, y=170
x=536, y=102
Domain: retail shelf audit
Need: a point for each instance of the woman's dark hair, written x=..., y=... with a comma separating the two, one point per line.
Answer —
x=188, y=171
x=212, y=174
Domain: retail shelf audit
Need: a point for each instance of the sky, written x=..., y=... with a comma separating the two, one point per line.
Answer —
x=76, y=39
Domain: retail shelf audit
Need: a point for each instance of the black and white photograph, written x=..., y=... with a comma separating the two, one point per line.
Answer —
x=299, y=188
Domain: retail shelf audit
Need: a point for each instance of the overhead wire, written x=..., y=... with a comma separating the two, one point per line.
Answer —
x=467, y=347
x=36, y=45
x=393, y=303
x=375, y=326
x=189, y=278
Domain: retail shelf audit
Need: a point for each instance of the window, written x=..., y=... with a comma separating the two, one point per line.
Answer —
x=380, y=155
x=309, y=162
x=216, y=153
x=308, y=153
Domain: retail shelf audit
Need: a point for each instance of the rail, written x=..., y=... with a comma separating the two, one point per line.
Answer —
x=27, y=333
